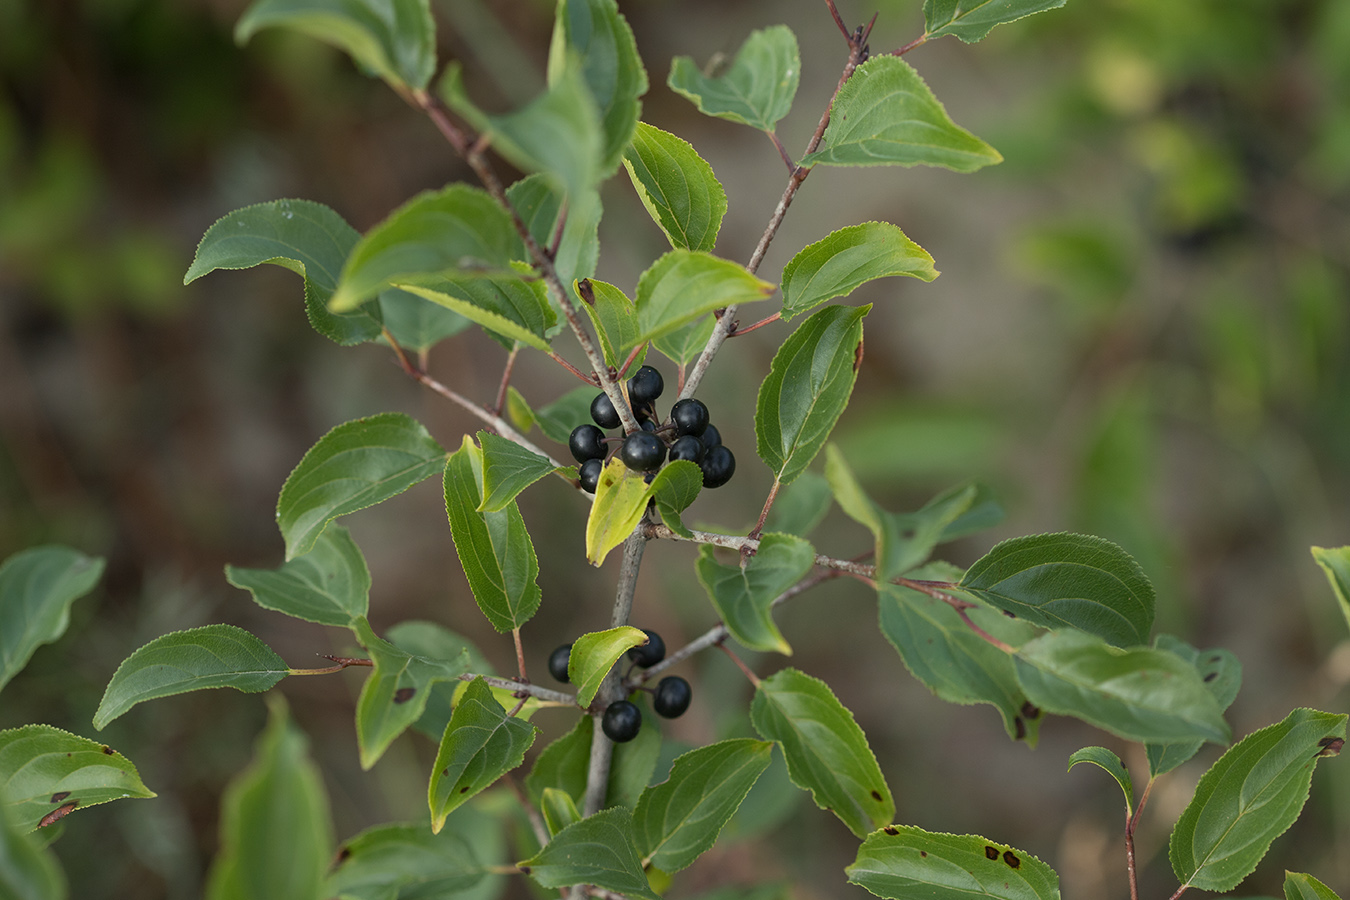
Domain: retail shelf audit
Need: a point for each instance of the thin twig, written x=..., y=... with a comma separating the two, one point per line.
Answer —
x=506, y=380
x=520, y=654
x=517, y=687
x=838, y=19
x=918, y=41
x=340, y=663
x=737, y=331
x=782, y=151
x=536, y=821
x=1130, y=824
x=745, y=670
x=764, y=513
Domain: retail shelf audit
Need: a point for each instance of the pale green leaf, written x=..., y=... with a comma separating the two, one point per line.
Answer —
x=481, y=744
x=559, y=810
x=44, y=768
x=757, y=89
x=744, y=595
x=557, y=419
x=594, y=654
x=845, y=259
x=503, y=304
x=675, y=487
x=562, y=765
x=1100, y=756
x=684, y=284
x=620, y=499
x=597, y=850
x=683, y=345
x=401, y=859
x=633, y=762
x=971, y=20
x=903, y=862
x=678, y=188
x=430, y=640
x=540, y=204
x=801, y=506
x=28, y=871
x=416, y=323
x=1336, y=564
x=613, y=316
x=1298, y=886
x=1221, y=674
x=37, y=588
x=508, y=469
x=329, y=585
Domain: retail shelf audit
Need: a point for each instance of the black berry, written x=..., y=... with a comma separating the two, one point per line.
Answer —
x=642, y=451
x=711, y=437
x=586, y=442
x=687, y=447
x=718, y=466
x=690, y=416
x=645, y=386
x=557, y=662
x=647, y=425
x=603, y=411
x=590, y=474
x=650, y=653
x=621, y=721
x=672, y=697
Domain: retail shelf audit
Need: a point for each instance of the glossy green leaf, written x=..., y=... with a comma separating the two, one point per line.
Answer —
x=807, y=388
x=503, y=304
x=826, y=751
x=37, y=588
x=44, y=768
x=1075, y=580
x=401, y=859
x=675, y=487
x=597, y=850
x=481, y=744
x=434, y=641
x=900, y=862
x=595, y=34
x=392, y=39
x=557, y=419
x=594, y=654
x=494, y=548
x=212, y=656
x=801, y=506
x=1336, y=564
x=614, y=318
x=28, y=871
x=1221, y=674
x=1100, y=756
x=458, y=230
x=757, y=89
x=329, y=585
x=558, y=810
x=679, y=819
x=684, y=284
x=508, y=469
x=540, y=204
x=1140, y=694
x=845, y=259
x=1298, y=886
x=885, y=115
x=744, y=595
x=683, y=345
x=395, y=693
x=418, y=324
x=306, y=237
x=677, y=187
x=1250, y=797
x=620, y=499
x=275, y=829
x=971, y=20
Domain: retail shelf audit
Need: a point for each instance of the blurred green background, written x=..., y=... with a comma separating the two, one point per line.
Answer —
x=1141, y=332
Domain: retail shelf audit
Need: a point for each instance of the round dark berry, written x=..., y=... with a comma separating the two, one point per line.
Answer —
x=687, y=447
x=690, y=416
x=711, y=437
x=590, y=474
x=718, y=467
x=621, y=721
x=643, y=452
x=557, y=662
x=647, y=425
x=672, y=697
x=650, y=653
x=645, y=386
x=603, y=411
x=586, y=442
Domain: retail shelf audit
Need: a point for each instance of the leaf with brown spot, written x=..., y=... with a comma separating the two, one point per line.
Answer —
x=910, y=862
x=41, y=765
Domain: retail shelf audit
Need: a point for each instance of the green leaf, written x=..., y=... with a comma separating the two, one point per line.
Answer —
x=1076, y=580
x=1298, y=886
x=679, y=819
x=1140, y=694
x=508, y=469
x=27, y=871
x=1336, y=564
x=826, y=751
x=678, y=188
x=1221, y=674
x=392, y=39
x=594, y=654
x=212, y=656
x=801, y=506
x=594, y=33
x=418, y=324
x=275, y=829
x=885, y=115
x=744, y=595
x=494, y=548
x=845, y=259
x=758, y=88
x=329, y=585
x=634, y=761
x=458, y=230
x=620, y=499
x=400, y=859
x=44, y=768
x=597, y=850
x=558, y=418
x=308, y=238
x=1250, y=797
x=481, y=744
x=37, y=588
x=540, y=204
x=559, y=810
x=903, y=861
x=1100, y=756
x=432, y=641
x=613, y=316
x=685, y=343
x=971, y=20
x=503, y=304
x=984, y=512
x=684, y=284
x=807, y=388
x=675, y=487
x=562, y=764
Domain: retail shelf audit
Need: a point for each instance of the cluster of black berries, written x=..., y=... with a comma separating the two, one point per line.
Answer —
x=687, y=435
x=622, y=719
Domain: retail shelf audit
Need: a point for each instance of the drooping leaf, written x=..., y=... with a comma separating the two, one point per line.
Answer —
x=276, y=833
x=801, y=506
x=1105, y=759
x=212, y=656
x=757, y=90
x=37, y=588
x=744, y=596
x=845, y=259
x=1140, y=694
x=613, y=316
x=971, y=20
x=1298, y=886
x=903, y=861
x=675, y=487
x=1250, y=797
x=508, y=469
x=430, y=640
x=494, y=548
x=679, y=819
x=983, y=513
x=392, y=39
x=481, y=744
x=683, y=345
x=558, y=810
x=885, y=115
x=620, y=499
x=826, y=751
x=594, y=654
x=677, y=187
x=597, y=850
x=1336, y=564
x=684, y=284
x=44, y=768
x=1076, y=580
x=807, y=388
x=1221, y=674
x=540, y=204
x=504, y=305
x=416, y=323
x=403, y=859
x=329, y=585
x=28, y=871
